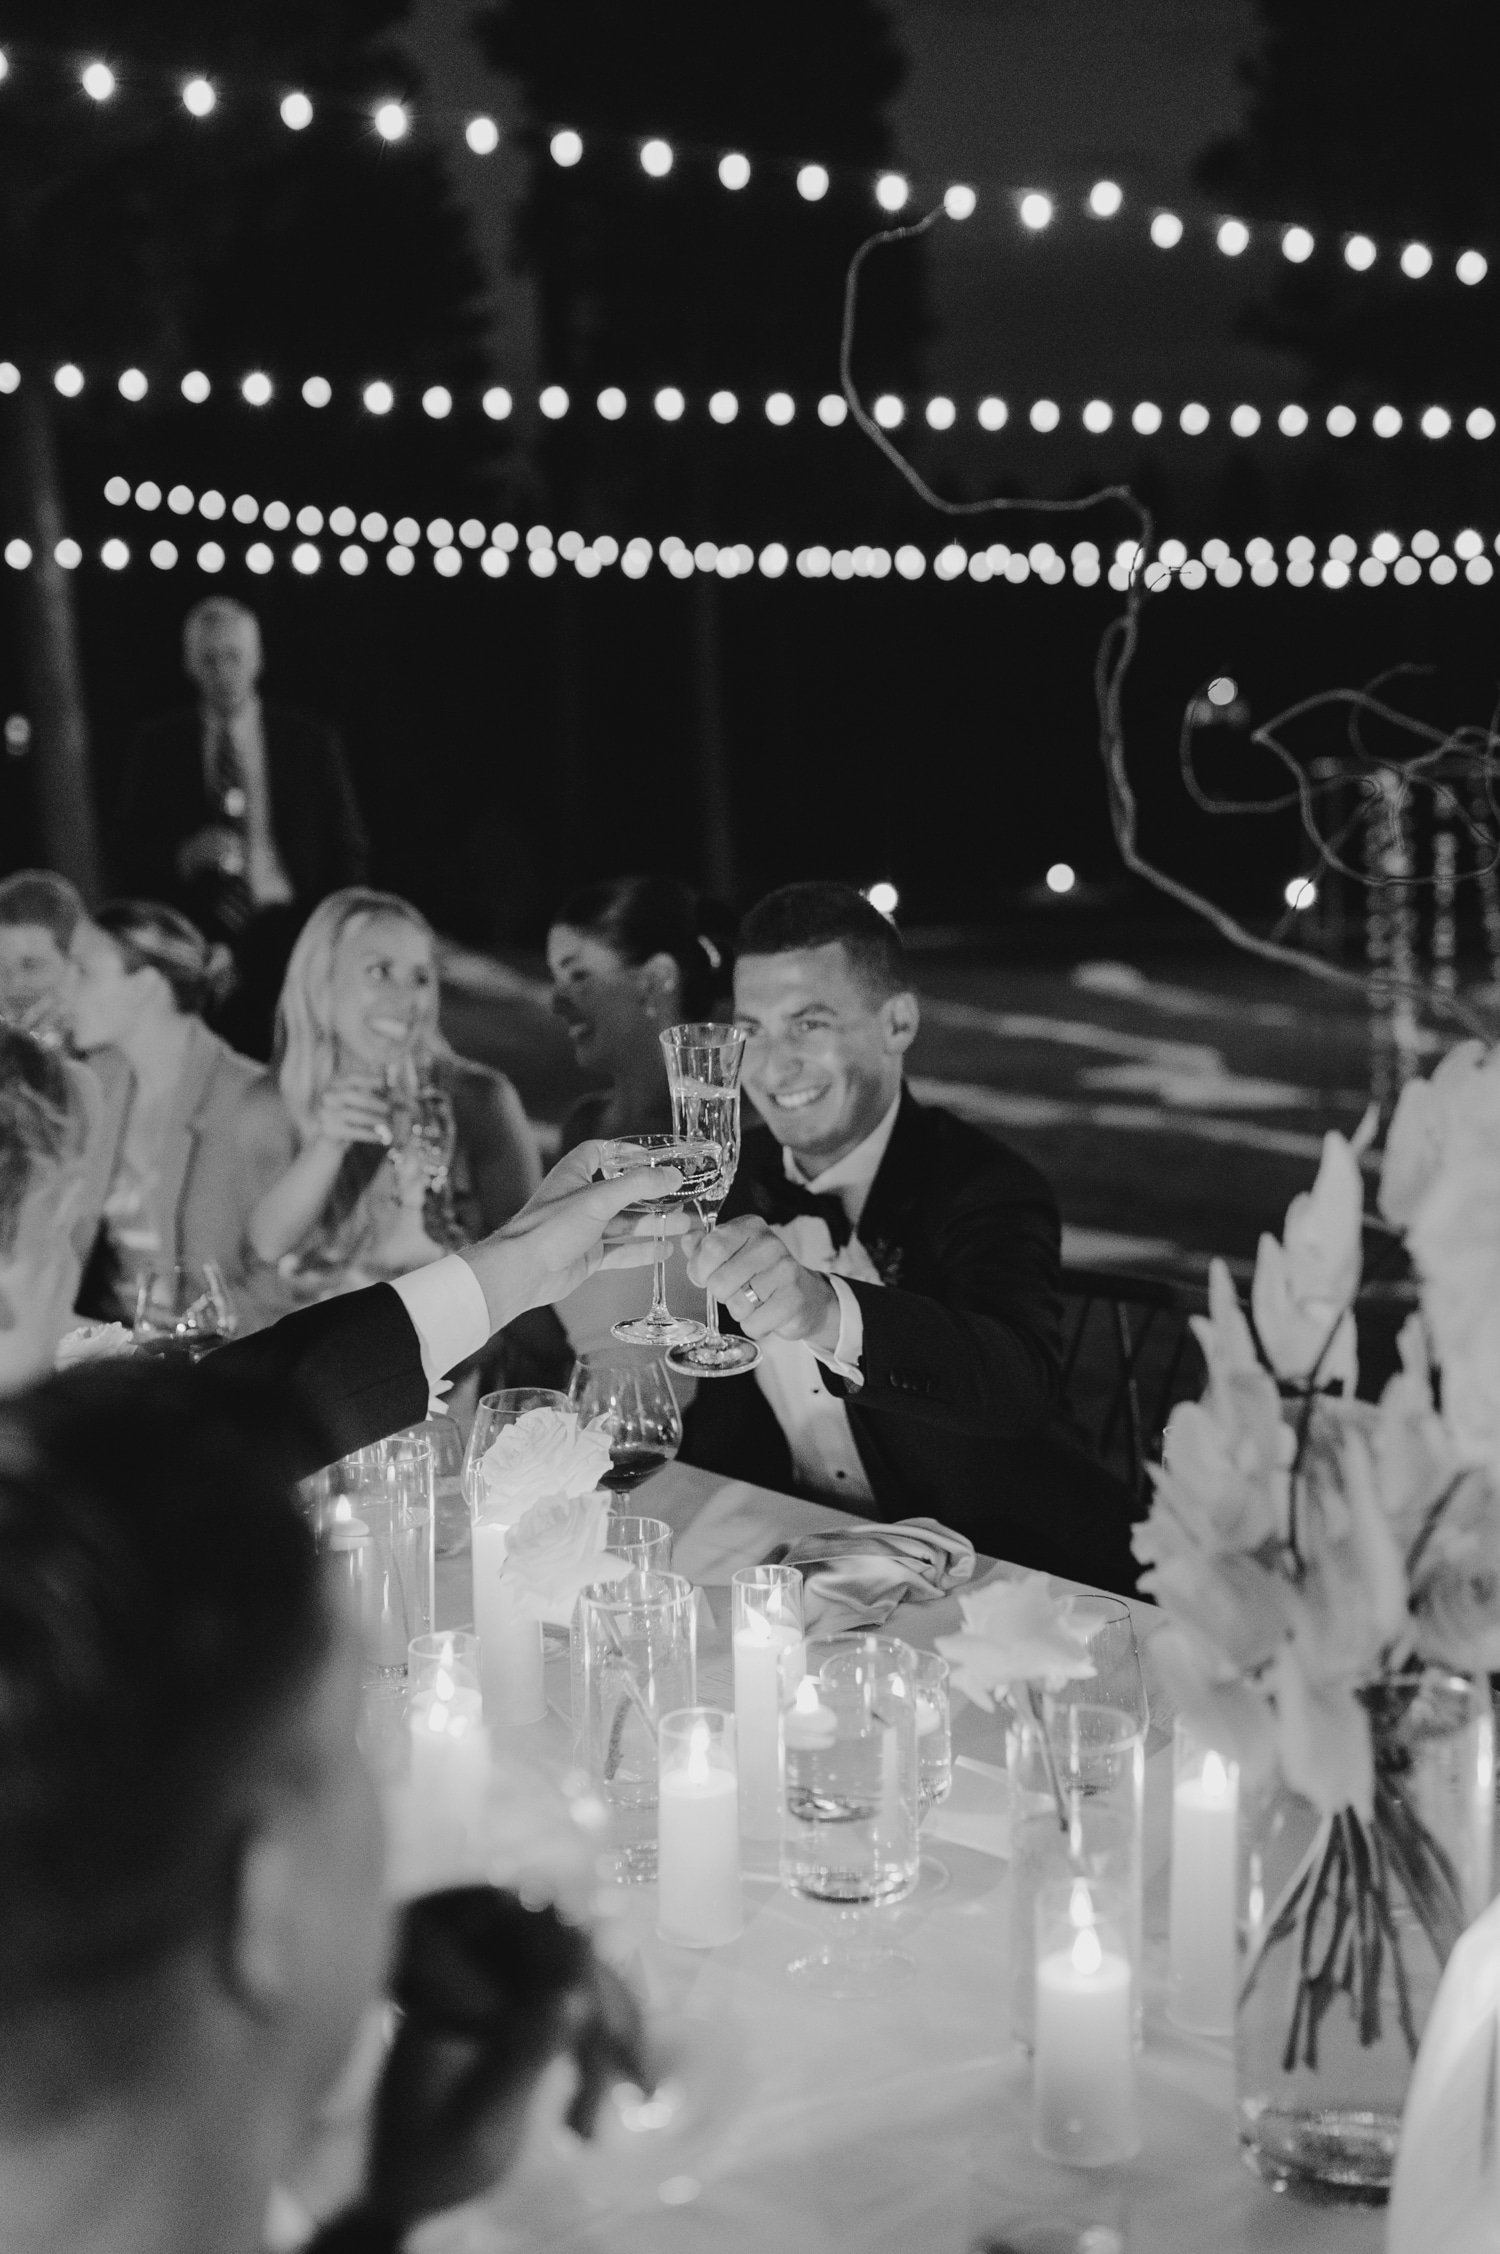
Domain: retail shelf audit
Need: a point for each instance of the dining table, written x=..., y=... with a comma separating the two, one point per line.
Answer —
x=903, y=2124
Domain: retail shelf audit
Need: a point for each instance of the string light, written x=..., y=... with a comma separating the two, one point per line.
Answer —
x=960, y=201
x=1292, y=420
x=199, y=98
x=723, y=406
x=257, y=389
x=1360, y=253
x=892, y=191
x=566, y=147
x=941, y=414
x=833, y=409
x=296, y=112
x=317, y=391
x=1166, y=230
x=68, y=380
x=889, y=411
x=496, y=403
x=669, y=403
x=734, y=171
x=1471, y=266
x=437, y=401
x=1035, y=211
x=1233, y=237
x=1105, y=198
x=1297, y=245
x=656, y=158
x=1416, y=261
x=195, y=387
x=611, y=403
x=780, y=408
x=553, y=402
x=1045, y=414
x=812, y=182
x=482, y=135
x=392, y=121
x=98, y=81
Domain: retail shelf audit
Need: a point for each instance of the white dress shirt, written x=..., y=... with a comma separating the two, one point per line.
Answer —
x=265, y=878
x=446, y=1303
x=790, y=1373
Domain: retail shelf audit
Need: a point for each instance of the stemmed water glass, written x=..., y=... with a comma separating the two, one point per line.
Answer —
x=698, y=1163
x=703, y=1073
x=1117, y=1680
x=934, y=1753
x=634, y=1396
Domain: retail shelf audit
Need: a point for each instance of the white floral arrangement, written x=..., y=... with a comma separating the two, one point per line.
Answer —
x=542, y=1480
x=1314, y=1553
x=556, y=1550
x=545, y=1453
x=1016, y=1633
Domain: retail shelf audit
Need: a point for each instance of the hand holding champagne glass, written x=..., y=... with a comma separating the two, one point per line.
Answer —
x=696, y=1163
x=703, y=1073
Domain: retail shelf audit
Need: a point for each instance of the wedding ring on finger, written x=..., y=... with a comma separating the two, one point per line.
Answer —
x=748, y=1291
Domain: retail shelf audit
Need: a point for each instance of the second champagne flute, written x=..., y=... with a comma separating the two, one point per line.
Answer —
x=697, y=1163
x=703, y=1073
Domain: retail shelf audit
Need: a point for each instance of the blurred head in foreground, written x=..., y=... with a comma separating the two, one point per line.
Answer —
x=39, y=914
x=190, y=1909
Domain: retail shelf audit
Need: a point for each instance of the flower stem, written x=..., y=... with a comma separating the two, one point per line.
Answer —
x=1048, y=1762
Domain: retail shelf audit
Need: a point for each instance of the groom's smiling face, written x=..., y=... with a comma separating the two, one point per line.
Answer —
x=824, y=1051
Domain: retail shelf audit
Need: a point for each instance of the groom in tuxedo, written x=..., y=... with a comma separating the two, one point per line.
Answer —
x=897, y=1267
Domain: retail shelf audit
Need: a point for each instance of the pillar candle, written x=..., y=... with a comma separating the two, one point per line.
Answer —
x=758, y=1648
x=510, y=1640
x=1201, y=1981
x=699, y=1901
x=1084, y=2088
x=448, y=1787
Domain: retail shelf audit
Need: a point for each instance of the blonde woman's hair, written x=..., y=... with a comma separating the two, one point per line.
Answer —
x=304, y=1058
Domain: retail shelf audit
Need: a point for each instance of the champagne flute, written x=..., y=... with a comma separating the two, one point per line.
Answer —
x=634, y=1396
x=182, y=1311
x=703, y=1073
x=697, y=1163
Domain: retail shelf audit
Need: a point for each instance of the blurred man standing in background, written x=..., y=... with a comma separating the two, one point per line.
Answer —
x=242, y=814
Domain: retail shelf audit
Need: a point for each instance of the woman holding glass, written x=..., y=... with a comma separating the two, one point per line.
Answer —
x=177, y=1147
x=630, y=956
x=392, y=1149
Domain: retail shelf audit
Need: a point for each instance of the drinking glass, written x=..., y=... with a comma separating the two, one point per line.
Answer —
x=1077, y=1779
x=182, y=1311
x=645, y=1543
x=377, y=1527
x=633, y=1394
x=1117, y=1680
x=849, y=1752
x=635, y=1658
x=696, y=1162
x=445, y=1660
x=703, y=1073
x=450, y=1521
x=511, y=1643
x=934, y=1752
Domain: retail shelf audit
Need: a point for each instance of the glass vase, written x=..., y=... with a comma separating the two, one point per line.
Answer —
x=1345, y=1924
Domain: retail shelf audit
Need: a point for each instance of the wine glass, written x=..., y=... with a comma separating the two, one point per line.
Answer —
x=634, y=1396
x=182, y=1310
x=697, y=1163
x=849, y=1836
x=703, y=1073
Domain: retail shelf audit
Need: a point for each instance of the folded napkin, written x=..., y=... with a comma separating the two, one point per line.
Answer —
x=863, y=1572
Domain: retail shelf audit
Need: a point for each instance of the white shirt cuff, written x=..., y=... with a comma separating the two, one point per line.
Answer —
x=850, y=1344
x=448, y=1313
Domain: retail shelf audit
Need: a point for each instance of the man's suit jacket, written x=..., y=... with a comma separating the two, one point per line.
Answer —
x=164, y=800
x=356, y=1362
x=957, y=1416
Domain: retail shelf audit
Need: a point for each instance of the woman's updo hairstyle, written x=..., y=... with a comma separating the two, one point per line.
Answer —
x=151, y=936
x=642, y=916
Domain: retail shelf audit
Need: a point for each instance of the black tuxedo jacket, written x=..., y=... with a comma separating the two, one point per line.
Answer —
x=356, y=1362
x=957, y=1418
x=163, y=800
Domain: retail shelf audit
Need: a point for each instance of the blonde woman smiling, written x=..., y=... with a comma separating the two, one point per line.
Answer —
x=395, y=1149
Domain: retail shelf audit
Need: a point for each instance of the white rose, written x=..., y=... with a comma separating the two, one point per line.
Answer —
x=544, y=1453
x=1014, y=1632
x=556, y=1551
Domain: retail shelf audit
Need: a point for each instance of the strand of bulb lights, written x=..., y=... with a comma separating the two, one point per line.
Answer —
x=892, y=191
x=1146, y=418
x=1423, y=557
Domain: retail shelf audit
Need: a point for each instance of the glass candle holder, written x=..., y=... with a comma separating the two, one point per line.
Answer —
x=645, y=1543
x=635, y=1658
x=511, y=1647
x=1077, y=1783
x=375, y=1522
x=766, y=1625
x=1202, y=1975
x=445, y=1660
x=1084, y=2084
x=930, y=1674
x=699, y=1899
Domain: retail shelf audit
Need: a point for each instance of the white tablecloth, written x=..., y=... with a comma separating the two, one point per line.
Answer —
x=901, y=2127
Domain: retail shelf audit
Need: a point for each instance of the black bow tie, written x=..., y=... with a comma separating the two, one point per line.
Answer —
x=783, y=1199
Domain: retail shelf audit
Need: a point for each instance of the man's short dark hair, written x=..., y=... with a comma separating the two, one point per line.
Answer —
x=815, y=915
x=37, y=897
x=160, y=1611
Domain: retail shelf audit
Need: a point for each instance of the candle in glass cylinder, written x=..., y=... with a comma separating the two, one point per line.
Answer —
x=767, y=1623
x=449, y=1782
x=510, y=1637
x=1084, y=2087
x=699, y=1902
x=1205, y=1806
